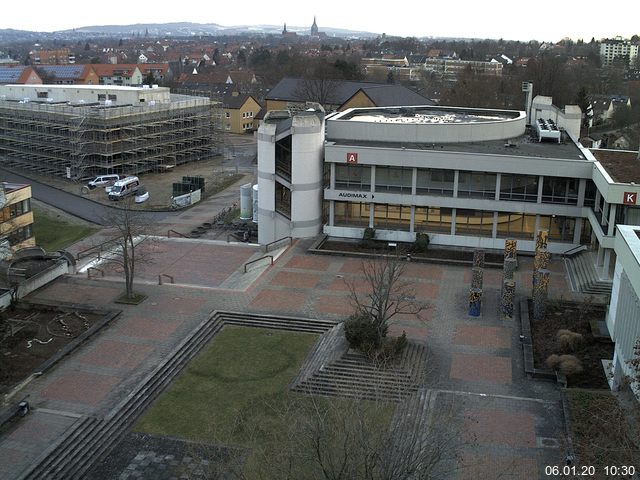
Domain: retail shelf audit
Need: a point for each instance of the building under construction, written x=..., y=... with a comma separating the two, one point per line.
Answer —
x=84, y=130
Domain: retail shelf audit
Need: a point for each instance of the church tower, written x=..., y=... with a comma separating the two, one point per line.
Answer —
x=314, y=28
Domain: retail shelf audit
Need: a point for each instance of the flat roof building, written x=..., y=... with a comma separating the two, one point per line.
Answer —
x=83, y=130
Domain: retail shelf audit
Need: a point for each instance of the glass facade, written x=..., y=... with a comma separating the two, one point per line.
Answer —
x=392, y=217
x=353, y=177
x=519, y=187
x=560, y=190
x=516, y=225
x=347, y=214
x=15, y=210
x=394, y=179
x=432, y=219
x=283, y=200
x=474, y=222
x=477, y=185
x=560, y=228
x=433, y=181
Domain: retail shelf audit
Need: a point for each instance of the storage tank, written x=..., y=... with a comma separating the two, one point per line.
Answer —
x=246, y=204
x=254, y=191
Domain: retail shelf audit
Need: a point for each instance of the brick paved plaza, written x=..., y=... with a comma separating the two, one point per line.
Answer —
x=476, y=373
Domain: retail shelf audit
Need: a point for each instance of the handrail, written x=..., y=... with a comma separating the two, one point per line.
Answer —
x=266, y=247
x=573, y=250
x=257, y=259
x=99, y=247
x=170, y=277
x=176, y=232
x=94, y=268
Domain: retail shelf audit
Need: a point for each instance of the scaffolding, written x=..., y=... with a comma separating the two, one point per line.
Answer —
x=80, y=141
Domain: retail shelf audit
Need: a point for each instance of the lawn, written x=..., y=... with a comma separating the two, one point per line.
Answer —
x=235, y=393
x=53, y=234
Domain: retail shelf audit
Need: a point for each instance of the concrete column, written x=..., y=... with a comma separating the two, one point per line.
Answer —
x=582, y=187
x=332, y=213
x=600, y=256
x=453, y=219
x=371, y=214
x=604, y=273
x=373, y=178
x=332, y=177
x=494, y=228
x=540, y=183
x=456, y=177
x=414, y=183
x=412, y=221
x=612, y=219
x=605, y=214
x=537, y=225
x=578, y=230
x=498, y=180
x=597, y=204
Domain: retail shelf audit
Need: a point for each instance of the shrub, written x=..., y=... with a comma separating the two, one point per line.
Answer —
x=569, y=341
x=421, y=245
x=368, y=238
x=362, y=334
x=565, y=364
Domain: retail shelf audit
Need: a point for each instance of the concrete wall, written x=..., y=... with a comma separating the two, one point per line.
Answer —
x=44, y=277
x=570, y=118
x=355, y=130
x=86, y=93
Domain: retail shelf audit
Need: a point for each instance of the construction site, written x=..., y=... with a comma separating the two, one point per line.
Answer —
x=80, y=131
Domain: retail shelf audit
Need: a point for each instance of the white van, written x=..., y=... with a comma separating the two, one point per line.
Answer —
x=103, y=181
x=122, y=188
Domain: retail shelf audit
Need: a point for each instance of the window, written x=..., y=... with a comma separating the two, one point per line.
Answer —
x=227, y=115
x=19, y=235
x=560, y=190
x=435, y=182
x=283, y=157
x=519, y=187
x=353, y=177
x=115, y=97
x=394, y=179
x=102, y=97
x=477, y=185
x=560, y=228
x=474, y=222
x=283, y=200
x=349, y=214
x=392, y=217
x=516, y=225
x=432, y=219
x=43, y=94
x=15, y=210
x=227, y=127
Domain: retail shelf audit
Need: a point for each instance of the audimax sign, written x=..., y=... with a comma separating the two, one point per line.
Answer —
x=363, y=196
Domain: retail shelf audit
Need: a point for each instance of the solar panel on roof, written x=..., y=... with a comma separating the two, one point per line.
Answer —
x=63, y=71
x=10, y=75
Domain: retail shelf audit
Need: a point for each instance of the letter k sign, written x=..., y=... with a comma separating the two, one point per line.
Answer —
x=630, y=198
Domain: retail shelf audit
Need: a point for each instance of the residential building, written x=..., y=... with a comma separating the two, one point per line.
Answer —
x=60, y=56
x=618, y=48
x=85, y=130
x=119, y=74
x=19, y=74
x=68, y=74
x=240, y=112
x=16, y=218
x=603, y=106
x=454, y=67
x=293, y=93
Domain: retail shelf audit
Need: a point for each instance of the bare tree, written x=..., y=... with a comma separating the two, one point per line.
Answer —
x=387, y=294
x=131, y=229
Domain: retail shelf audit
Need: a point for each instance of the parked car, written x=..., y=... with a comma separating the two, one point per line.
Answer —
x=103, y=181
x=123, y=188
x=142, y=195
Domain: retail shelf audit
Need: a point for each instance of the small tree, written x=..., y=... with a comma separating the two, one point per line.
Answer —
x=131, y=229
x=387, y=296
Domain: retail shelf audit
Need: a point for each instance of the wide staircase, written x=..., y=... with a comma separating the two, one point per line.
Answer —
x=583, y=275
x=332, y=369
x=73, y=455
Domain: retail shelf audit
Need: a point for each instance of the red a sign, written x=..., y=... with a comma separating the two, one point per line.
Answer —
x=630, y=198
x=352, y=158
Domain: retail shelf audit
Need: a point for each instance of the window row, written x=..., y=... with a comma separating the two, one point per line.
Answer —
x=15, y=210
x=524, y=188
x=19, y=235
x=439, y=220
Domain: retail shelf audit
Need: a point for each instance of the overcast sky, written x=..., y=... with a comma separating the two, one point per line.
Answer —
x=509, y=19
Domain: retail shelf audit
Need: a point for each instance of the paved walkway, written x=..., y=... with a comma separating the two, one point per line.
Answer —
x=513, y=425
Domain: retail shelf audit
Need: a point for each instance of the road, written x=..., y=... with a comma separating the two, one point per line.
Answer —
x=73, y=204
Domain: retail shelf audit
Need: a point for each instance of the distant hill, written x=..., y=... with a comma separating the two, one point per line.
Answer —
x=177, y=29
